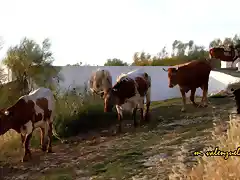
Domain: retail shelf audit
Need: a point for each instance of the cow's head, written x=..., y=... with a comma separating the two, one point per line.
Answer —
x=172, y=77
x=100, y=80
x=6, y=120
x=110, y=99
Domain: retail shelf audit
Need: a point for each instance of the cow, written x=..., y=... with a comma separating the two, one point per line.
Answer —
x=100, y=80
x=234, y=88
x=128, y=94
x=190, y=76
x=228, y=54
x=36, y=109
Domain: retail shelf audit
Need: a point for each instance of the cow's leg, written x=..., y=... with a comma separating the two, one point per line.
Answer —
x=42, y=137
x=148, y=101
x=134, y=112
x=183, y=100
x=23, y=137
x=237, y=103
x=120, y=116
x=27, y=151
x=50, y=133
x=26, y=132
x=204, y=101
x=141, y=107
x=192, y=97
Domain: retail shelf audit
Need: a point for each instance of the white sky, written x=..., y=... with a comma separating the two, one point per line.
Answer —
x=93, y=30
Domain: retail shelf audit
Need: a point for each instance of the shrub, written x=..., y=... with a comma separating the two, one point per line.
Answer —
x=79, y=113
x=216, y=167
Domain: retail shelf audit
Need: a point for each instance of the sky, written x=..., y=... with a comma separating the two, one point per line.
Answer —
x=91, y=31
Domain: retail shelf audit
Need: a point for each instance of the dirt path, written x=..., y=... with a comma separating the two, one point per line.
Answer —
x=148, y=152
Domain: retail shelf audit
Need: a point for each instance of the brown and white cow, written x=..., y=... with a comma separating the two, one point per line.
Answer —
x=190, y=76
x=100, y=80
x=224, y=53
x=37, y=109
x=128, y=94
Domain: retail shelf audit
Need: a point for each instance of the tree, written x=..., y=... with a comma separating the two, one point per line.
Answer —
x=141, y=59
x=3, y=75
x=30, y=61
x=115, y=62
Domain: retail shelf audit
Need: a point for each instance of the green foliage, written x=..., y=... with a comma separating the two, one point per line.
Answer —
x=32, y=61
x=115, y=62
x=80, y=113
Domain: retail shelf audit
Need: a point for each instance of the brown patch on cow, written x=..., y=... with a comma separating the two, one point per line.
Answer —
x=20, y=113
x=142, y=86
x=191, y=75
x=124, y=90
x=43, y=104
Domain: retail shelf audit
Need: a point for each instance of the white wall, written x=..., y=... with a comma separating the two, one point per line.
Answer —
x=225, y=64
x=78, y=75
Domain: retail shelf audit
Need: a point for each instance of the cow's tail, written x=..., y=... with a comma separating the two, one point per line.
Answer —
x=55, y=134
x=148, y=94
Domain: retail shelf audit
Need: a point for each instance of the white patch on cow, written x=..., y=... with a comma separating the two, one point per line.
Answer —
x=27, y=128
x=236, y=52
x=119, y=110
x=131, y=75
x=131, y=103
x=227, y=53
x=39, y=124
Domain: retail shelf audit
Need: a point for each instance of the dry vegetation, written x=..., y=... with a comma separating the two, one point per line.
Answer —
x=159, y=150
x=217, y=167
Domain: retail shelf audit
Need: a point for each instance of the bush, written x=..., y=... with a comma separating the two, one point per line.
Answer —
x=216, y=167
x=81, y=113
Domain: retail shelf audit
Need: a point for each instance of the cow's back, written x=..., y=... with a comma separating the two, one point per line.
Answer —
x=41, y=93
x=194, y=74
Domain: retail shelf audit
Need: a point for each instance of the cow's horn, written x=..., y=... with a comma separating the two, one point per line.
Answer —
x=164, y=69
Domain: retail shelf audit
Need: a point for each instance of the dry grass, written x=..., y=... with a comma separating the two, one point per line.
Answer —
x=215, y=167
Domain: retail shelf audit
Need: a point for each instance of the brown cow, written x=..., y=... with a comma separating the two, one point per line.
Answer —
x=190, y=76
x=229, y=54
x=128, y=94
x=31, y=111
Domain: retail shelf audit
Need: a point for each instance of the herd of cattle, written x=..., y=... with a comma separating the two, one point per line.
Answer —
x=37, y=109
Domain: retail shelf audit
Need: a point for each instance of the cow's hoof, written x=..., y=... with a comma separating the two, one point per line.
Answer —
x=44, y=148
x=25, y=158
x=50, y=151
x=147, y=118
x=183, y=110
